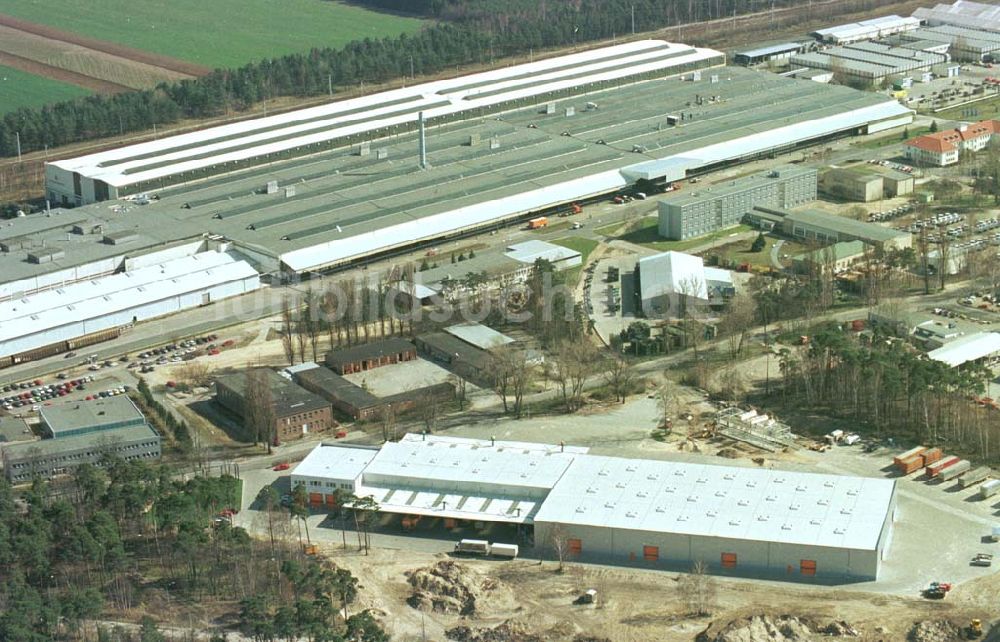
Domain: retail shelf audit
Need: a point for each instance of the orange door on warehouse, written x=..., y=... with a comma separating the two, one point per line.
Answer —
x=575, y=546
x=315, y=498
x=651, y=553
x=807, y=567
x=729, y=560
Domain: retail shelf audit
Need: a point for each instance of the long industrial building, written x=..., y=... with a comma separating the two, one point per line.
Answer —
x=871, y=62
x=498, y=147
x=961, y=13
x=62, y=317
x=660, y=514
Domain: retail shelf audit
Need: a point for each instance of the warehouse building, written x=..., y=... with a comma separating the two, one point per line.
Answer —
x=961, y=43
x=360, y=404
x=866, y=29
x=658, y=514
x=724, y=204
x=962, y=13
x=464, y=359
x=669, y=282
x=65, y=317
x=980, y=347
x=297, y=412
x=834, y=258
x=351, y=201
x=870, y=63
x=79, y=433
x=369, y=356
x=864, y=183
x=822, y=227
x=946, y=147
x=760, y=55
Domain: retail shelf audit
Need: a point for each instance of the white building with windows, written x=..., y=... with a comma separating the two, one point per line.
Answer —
x=660, y=514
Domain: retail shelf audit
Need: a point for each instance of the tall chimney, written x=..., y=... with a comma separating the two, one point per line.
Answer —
x=423, y=142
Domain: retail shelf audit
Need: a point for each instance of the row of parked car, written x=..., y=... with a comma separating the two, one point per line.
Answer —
x=888, y=215
x=36, y=394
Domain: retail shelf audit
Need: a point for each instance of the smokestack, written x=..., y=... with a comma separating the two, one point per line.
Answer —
x=423, y=142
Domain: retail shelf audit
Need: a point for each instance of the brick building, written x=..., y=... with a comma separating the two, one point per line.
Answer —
x=296, y=410
x=370, y=356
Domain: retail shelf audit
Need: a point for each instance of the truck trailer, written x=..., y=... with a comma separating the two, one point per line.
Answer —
x=973, y=477
x=989, y=489
x=538, y=223
x=955, y=470
x=508, y=551
x=934, y=469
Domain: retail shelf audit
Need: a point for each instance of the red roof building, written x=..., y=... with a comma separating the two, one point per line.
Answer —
x=943, y=148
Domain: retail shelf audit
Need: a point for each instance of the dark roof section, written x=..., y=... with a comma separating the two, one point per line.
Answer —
x=367, y=351
x=289, y=399
x=458, y=350
x=336, y=388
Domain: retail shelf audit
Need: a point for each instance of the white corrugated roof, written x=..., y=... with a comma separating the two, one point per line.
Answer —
x=672, y=272
x=228, y=143
x=117, y=293
x=523, y=482
x=967, y=348
x=721, y=501
x=530, y=251
x=479, y=335
x=962, y=13
x=333, y=461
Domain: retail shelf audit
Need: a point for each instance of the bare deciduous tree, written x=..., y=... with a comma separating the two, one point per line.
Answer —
x=287, y=330
x=698, y=589
x=514, y=375
x=559, y=542
x=258, y=410
x=620, y=377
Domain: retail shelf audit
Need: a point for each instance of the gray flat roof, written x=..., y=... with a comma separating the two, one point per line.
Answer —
x=338, y=387
x=81, y=415
x=860, y=229
x=289, y=398
x=771, y=49
x=49, y=447
x=14, y=429
x=479, y=335
x=343, y=196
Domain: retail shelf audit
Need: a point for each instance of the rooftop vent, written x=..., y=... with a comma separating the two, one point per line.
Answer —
x=720, y=493
x=751, y=484
x=652, y=477
x=711, y=513
x=838, y=531
x=692, y=498
x=729, y=476
x=603, y=473
x=743, y=502
x=771, y=498
x=845, y=511
x=793, y=506
x=734, y=522
x=609, y=505
x=682, y=518
x=630, y=514
x=800, y=488
x=762, y=518
x=630, y=469
x=786, y=527
x=823, y=502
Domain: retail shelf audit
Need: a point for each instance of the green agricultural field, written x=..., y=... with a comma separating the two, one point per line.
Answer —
x=20, y=89
x=214, y=33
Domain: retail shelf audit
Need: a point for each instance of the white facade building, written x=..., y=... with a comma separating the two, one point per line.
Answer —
x=670, y=280
x=661, y=514
x=86, y=307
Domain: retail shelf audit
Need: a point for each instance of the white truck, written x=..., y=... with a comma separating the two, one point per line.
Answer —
x=473, y=547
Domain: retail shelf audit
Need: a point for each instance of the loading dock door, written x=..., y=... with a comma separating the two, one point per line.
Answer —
x=807, y=567
x=729, y=560
x=650, y=553
x=315, y=498
x=575, y=546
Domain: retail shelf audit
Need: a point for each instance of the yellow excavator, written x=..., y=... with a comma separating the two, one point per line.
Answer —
x=975, y=629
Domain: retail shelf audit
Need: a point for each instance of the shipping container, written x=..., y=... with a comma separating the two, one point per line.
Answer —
x=975, y=476
x=989, y=489
x=940, y=465
x=931, y=456
x=956, y=469
x=475, y=546
x=504, y=550
x=910, y=465
x=537, y=223
x=908, y=454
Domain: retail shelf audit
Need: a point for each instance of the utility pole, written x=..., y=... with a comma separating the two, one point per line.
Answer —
x=412, y=75
x=17, y=136
x=329, y=84
x=633, y=20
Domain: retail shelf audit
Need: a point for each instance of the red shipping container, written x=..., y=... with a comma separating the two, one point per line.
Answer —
x=907, y=466
x=934, y=469
x=931, y=456
x=908, y=454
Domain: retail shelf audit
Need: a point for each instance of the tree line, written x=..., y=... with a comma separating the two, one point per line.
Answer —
x=464, y=32
x=111, y=540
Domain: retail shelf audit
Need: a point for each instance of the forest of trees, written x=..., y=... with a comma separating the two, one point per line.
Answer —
x=464, y=32
x=119, y=541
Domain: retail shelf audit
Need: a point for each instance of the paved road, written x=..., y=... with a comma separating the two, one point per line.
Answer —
x=775, y=256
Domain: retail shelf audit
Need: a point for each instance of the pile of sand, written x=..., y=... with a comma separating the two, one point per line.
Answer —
x=450, y=587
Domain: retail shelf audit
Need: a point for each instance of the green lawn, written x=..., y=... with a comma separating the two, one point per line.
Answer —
x=893, y=139
x=215, y=33
x=648, y=235
x=20, y=89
